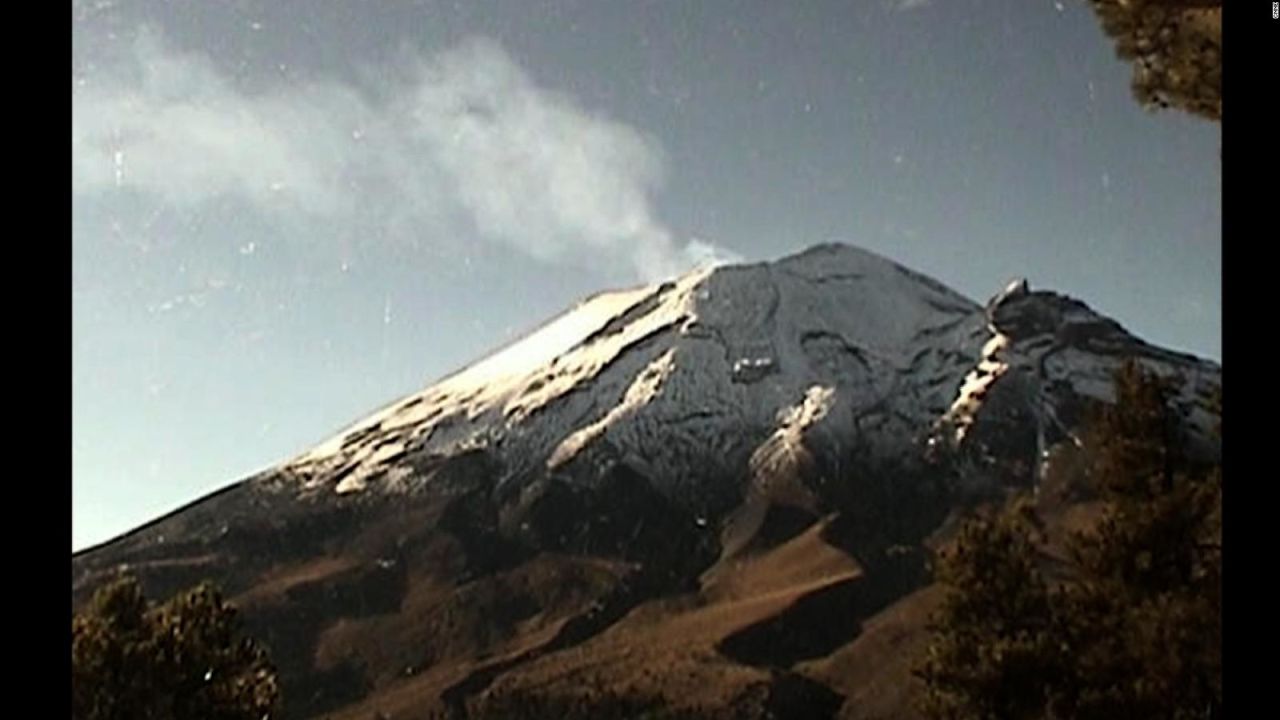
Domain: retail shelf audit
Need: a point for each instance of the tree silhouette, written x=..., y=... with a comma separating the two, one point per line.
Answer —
x=1131, y=627
x=182, y=660
x=995, y=650
x=1175, y=47
x=1145, y=606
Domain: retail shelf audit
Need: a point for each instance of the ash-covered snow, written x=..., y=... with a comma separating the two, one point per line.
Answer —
x=696, y=377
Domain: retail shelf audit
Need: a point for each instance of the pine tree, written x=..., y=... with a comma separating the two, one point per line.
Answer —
x=183, y=660
x=994, y=653
x=1133, y=628
x=1145, y=603
x=1175, y=47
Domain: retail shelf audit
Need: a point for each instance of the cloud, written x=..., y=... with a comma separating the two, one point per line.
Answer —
x=904, y=5
x=463, y=136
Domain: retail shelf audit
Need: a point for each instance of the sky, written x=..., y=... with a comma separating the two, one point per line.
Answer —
x=287, y=214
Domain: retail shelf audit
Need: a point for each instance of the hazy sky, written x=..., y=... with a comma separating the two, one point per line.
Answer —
x=286, y=214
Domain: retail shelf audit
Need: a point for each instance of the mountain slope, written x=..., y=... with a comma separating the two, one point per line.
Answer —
x=660, y=374
x=641, y=469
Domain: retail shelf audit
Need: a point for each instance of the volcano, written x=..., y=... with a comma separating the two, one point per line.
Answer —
x=717, y=491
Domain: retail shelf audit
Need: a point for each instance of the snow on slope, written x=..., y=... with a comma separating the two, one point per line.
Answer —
x=643, y=390
x=673, y=376
x=976, y=385
x=1049, y=356
x=496, y=375
x=979, y=381
x=785, y=448
x=695, y=377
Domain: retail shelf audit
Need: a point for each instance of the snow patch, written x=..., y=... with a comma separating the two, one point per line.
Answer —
x=815, y=406
x=367, y=461
x=645, y=387
x=514, y=382
x=481, y=383
x=786, y=445
x=749, y=370
x=1015, y=289
x=977, y=383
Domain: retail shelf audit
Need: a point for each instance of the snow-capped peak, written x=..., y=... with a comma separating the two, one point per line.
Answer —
x=698, y=373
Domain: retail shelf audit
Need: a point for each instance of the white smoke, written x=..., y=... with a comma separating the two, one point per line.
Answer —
x=464, y=133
